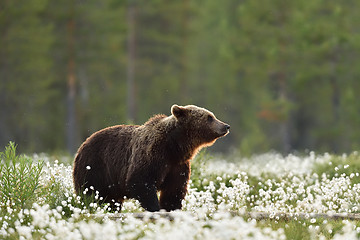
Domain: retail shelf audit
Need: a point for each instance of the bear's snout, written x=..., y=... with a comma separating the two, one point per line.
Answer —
x=226, y=129
x=222, y=129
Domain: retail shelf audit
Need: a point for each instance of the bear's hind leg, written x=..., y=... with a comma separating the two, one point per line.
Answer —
x=146, y=194
x=148, y=199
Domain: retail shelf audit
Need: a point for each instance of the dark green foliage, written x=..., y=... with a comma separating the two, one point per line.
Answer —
x=283, y=74
x=27, y=86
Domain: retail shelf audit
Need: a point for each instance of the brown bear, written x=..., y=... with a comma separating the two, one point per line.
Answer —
x=140, y=161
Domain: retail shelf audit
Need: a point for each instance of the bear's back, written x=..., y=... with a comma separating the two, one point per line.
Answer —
x=105, y=153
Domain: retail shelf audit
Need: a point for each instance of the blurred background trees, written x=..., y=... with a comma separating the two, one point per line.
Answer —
x=284, y=75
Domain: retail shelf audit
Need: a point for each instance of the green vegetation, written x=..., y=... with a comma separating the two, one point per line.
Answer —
x=304, y=230
x=19, y=178
x=348, y=165
x=37, y=200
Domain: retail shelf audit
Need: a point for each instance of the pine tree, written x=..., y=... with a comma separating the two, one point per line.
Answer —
x=25, y=67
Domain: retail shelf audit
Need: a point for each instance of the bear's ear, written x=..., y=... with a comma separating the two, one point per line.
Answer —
x=178, y=111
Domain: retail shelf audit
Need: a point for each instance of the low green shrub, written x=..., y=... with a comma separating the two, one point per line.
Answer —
x=19, y=178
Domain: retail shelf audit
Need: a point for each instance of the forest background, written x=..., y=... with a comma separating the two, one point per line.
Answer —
x=284, y=74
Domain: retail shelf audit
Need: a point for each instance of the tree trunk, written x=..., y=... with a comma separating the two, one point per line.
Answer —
x=183, y=74
x=71, y=87
x=4, y=68
x=284, y=125
x=131, y=47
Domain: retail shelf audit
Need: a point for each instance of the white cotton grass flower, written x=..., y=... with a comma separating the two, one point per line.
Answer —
x=267, y=163
x=24, y=232
x=40, y=215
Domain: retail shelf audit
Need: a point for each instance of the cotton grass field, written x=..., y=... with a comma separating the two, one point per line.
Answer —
x=37, y=200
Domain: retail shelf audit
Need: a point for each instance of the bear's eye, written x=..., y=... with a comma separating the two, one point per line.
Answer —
x=210, y=118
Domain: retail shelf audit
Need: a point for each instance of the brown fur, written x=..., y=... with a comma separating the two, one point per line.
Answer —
x=139, y=161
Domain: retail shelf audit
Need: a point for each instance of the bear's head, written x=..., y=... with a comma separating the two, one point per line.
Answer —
x=200, y=124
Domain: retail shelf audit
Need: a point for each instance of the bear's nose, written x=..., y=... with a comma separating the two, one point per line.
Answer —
x=227, y=126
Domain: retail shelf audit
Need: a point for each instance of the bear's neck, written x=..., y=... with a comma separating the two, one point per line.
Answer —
x=179, y=142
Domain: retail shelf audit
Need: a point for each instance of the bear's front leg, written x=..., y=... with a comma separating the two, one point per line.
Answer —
x=174, y=188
